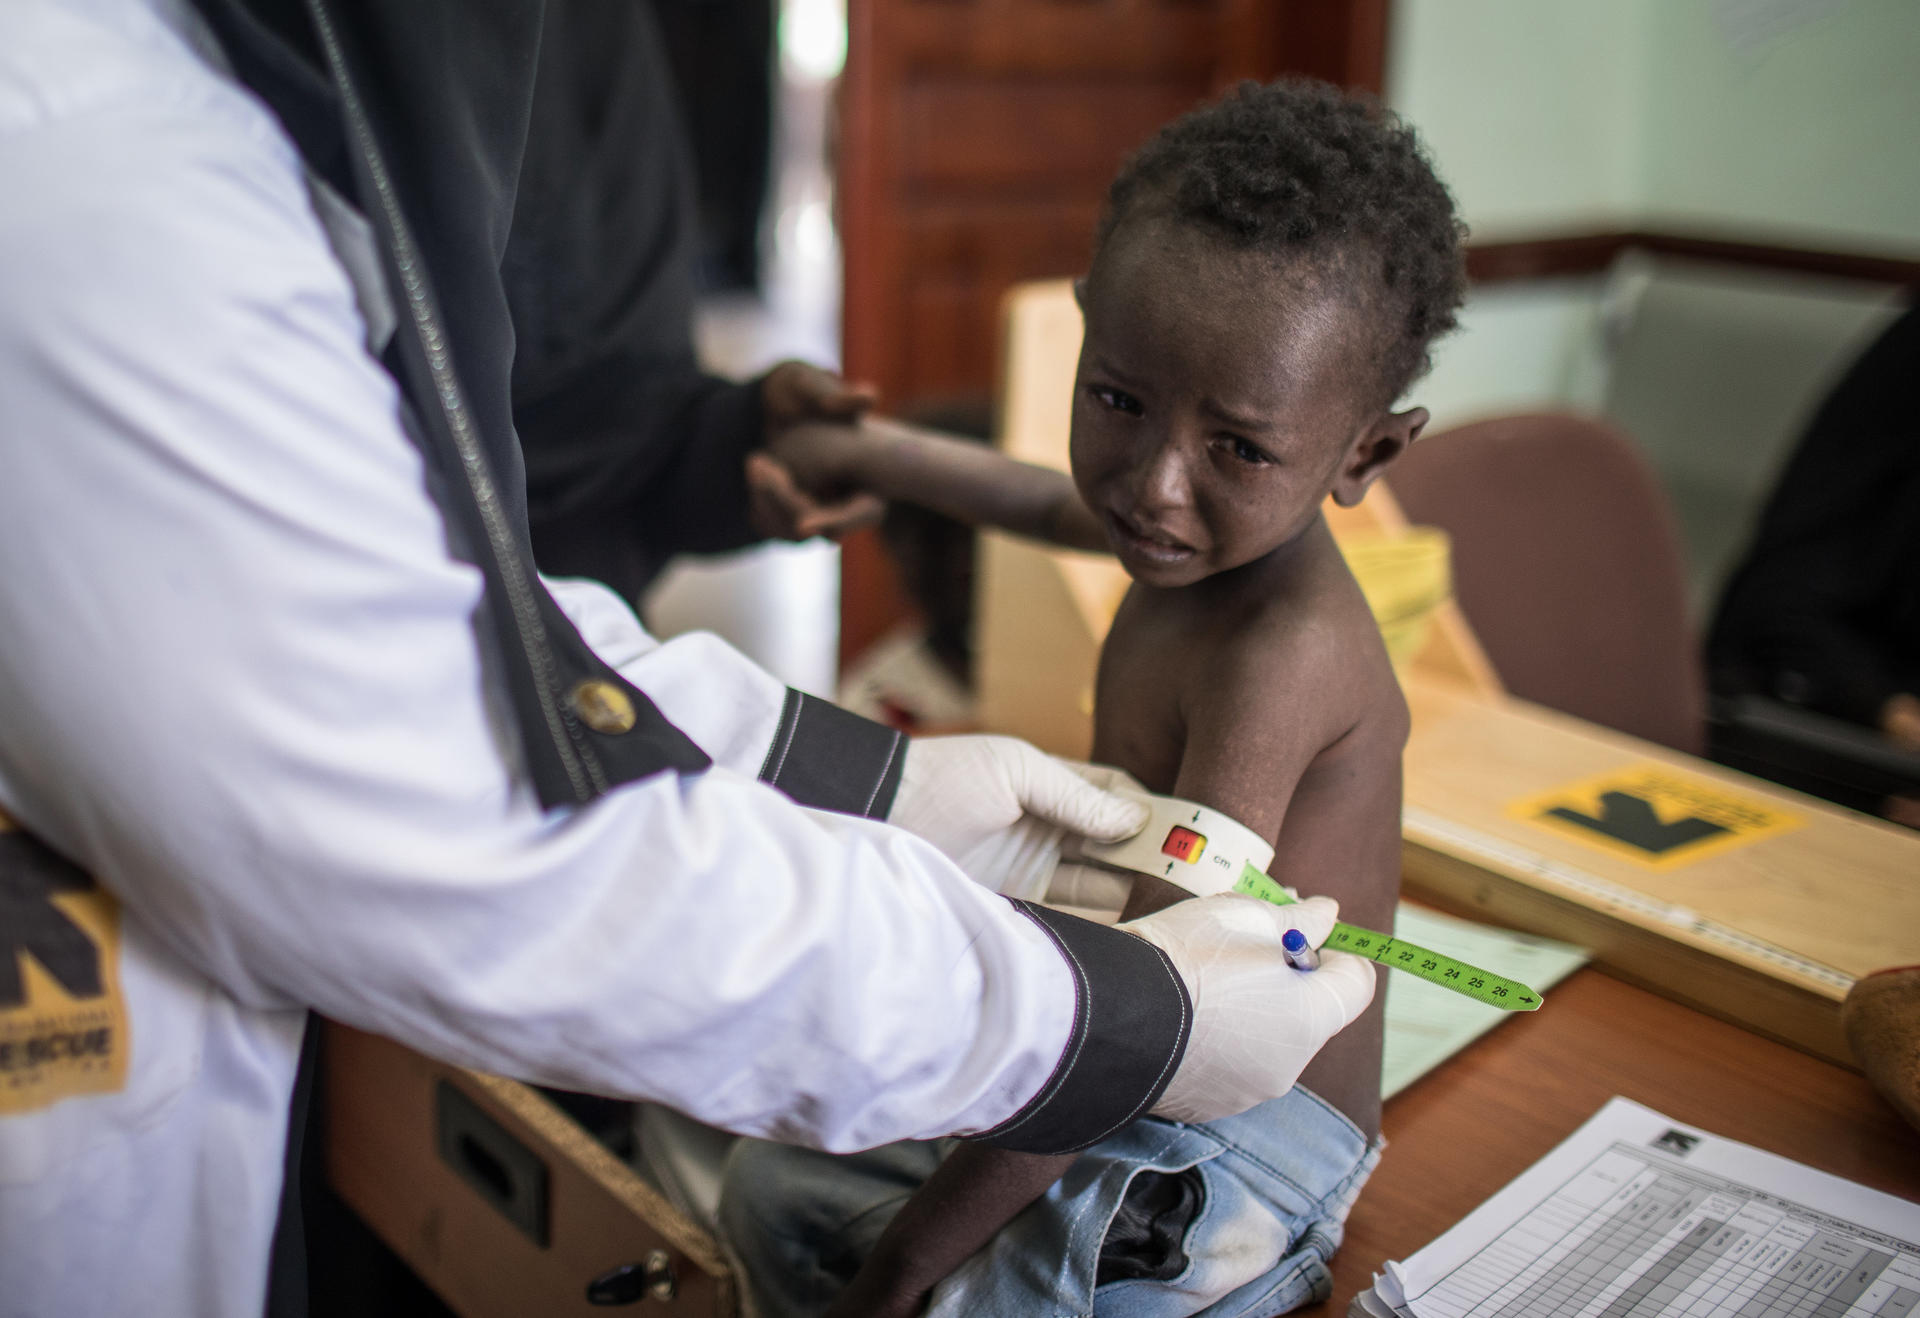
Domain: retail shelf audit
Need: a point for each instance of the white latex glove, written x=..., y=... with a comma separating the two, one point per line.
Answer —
x=1001, y=808
x=1257, y=1022
x=1086, y=889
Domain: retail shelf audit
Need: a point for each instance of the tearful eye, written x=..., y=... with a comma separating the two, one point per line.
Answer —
x=1246, y=451
x=1116, y=400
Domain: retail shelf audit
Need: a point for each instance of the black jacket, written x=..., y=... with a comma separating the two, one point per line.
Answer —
x=633, y=453
x=1824, y=611
x=419, y=112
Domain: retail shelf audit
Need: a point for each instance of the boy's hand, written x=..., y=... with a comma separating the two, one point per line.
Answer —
x=783, y=504
x=1256, y=1021
x=778, y=508
x=1000, y=808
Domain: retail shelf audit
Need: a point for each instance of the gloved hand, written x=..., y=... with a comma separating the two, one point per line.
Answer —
x=1257, y=1022
x=1088, y=888
x=1001, y=808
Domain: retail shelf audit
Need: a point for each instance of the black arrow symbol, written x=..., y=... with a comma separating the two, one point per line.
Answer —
x=30, y=874
x=1630, y=819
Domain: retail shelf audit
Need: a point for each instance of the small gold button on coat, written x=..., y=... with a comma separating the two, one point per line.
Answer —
x=603, y=707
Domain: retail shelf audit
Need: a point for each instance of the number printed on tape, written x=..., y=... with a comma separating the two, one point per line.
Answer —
x=1384, y=949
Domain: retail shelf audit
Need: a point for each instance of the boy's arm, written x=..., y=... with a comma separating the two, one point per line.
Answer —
x=1250, y=737
x=1302, y=736
x=961, y=1207
x=1276, y=738
x=966, y=481
x=1253, y=722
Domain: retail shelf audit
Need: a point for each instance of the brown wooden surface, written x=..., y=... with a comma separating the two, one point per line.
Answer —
x=1837, y=889
x=1460, y=1133
x=382, y=1159
x=1588, y=253
x=1342, y=43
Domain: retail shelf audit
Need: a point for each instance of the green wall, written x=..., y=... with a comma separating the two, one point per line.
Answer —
x=1812, y=132
x=1798, y=117
x=1790, y=121
x=1526, y=106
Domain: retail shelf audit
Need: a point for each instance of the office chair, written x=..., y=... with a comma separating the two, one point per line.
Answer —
x=1568, y=566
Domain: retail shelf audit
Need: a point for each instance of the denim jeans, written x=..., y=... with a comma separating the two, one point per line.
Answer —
x=1275, y=1185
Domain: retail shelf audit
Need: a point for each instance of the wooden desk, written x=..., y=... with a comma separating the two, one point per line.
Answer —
x=1485, y=1116
x=1769, y=932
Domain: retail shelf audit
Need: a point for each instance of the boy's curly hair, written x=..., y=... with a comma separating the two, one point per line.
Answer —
x=1299, y=167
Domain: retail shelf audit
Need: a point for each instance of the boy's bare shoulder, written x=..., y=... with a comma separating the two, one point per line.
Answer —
x=1308, y=634
x=1267, y=696
x=1250, y=682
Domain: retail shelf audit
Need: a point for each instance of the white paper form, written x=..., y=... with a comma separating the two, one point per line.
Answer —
x=1637, y=1216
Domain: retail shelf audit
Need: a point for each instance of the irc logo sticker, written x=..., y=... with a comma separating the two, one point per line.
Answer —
x=1655, y=816
x=63, y=1023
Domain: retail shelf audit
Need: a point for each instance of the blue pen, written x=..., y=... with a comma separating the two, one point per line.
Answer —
x=1300, y=953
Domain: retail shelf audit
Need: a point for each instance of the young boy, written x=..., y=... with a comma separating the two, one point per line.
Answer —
x=1265, y=283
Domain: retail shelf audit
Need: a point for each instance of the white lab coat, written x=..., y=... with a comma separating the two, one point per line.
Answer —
x=240, y=684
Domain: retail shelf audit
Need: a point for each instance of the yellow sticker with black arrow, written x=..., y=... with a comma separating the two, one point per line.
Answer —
x=1654, y=816
x=63, y=1021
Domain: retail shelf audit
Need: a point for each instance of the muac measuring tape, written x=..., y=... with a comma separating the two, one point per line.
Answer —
x=1207, y=852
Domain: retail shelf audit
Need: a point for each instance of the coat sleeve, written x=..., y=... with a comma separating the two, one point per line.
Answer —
x=241, y=683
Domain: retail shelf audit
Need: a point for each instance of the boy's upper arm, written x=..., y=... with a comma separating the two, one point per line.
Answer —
x=1256, y=727
x=1257, y=714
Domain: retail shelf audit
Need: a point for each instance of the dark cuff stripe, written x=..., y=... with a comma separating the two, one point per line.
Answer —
x=828, y=758
x=1130, y=1025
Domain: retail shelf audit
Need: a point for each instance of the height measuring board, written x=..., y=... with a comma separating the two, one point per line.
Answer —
x=1207, y=852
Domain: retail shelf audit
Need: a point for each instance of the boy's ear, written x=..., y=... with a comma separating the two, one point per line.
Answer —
x=1385, y=439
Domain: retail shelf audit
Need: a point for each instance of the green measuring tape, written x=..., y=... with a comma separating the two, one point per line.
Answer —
x=1434, y=967
x=1196, y=848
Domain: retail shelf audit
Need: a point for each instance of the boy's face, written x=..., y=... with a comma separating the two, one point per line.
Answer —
x=1221, y=396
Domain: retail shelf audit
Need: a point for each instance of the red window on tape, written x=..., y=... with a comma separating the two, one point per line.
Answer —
x=1184, y=844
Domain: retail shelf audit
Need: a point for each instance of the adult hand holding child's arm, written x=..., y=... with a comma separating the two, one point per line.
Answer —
x=1001, y=808
x=1256, y=1021
x=798, y=397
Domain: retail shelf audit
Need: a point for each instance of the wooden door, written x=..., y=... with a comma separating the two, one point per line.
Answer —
x=977, y=140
